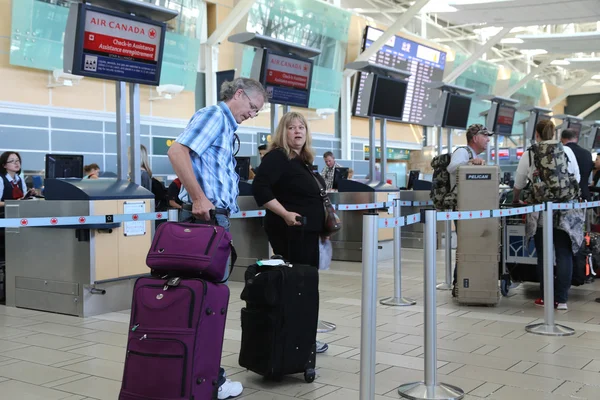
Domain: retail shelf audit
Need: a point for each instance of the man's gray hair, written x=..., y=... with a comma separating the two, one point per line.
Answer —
x=250, y=86
x=569, y=134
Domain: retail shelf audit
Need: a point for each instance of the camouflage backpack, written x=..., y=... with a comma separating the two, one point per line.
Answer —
x=443, y=196
x=551, y=180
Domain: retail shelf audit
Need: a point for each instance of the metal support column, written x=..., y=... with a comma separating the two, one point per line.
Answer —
x=397, y=299
x=286, y=109
x=134, y=134
x=122, y=166
x=383, y=145
x=548, y=327
x=447, y=284
x=368, y=334
x=274, y=118
x=430, y=389
x=440, y=140
x=346, y=118
x=372, y=152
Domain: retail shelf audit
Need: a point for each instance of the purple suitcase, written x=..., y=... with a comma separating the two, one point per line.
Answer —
x=175, y=339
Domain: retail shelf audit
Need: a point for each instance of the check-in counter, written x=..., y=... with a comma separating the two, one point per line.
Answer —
x=248, y=234
x=347, y=243
x=78, y=270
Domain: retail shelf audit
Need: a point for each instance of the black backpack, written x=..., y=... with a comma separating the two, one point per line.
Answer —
x=161, y=202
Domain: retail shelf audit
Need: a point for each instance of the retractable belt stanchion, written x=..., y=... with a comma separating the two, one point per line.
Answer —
x=397, y=299
x=430, y=389
x=548, y=327
x=447, y=285
x=173, y=215
x=368, y=338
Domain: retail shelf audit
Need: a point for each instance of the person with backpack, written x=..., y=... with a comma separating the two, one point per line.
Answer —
x=549, y=172
x=445, y=171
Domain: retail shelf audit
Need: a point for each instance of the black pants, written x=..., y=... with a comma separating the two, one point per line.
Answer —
x=293, y=243
x=563, y=270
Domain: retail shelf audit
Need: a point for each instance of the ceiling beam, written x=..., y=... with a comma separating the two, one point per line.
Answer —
x=589, y=110
x=235, y=16
x=388, y=33
x=515, y=88
x=571, y=89
x=477, y=55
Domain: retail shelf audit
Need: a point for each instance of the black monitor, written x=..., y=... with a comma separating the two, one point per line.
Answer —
x=388, y=96
x=596, y=144
x=222, y=77
x=242, y=167
x=505, y=116
x=339, y=173
x=456, y=113
x=575, y=126
x=413, y=176
x=64, y=166
x=539, y=117
x=314, y=168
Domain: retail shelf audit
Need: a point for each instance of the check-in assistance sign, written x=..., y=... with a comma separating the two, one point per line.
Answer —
x=115, y=46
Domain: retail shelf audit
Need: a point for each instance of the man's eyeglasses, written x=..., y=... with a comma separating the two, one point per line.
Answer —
x=253, y=108
x=15, y=161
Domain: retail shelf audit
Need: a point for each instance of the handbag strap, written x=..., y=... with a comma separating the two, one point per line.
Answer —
x=322, y=191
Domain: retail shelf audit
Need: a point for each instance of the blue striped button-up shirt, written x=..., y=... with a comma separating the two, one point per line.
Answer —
x=210, y=137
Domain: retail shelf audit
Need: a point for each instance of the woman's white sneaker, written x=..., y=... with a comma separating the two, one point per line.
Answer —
x=562, y=306
x=230, y=389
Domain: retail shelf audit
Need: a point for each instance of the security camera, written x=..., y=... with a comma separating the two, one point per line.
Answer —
x=168, y=91
x=62, y=78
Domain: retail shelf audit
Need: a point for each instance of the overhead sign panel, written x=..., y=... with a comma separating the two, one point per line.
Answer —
x=106, y=44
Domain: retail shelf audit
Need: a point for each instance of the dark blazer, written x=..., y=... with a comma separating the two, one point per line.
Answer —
x=293, y=185
x=586, y=165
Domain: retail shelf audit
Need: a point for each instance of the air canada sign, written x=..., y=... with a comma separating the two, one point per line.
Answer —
x=116, y=46
x=287, y=72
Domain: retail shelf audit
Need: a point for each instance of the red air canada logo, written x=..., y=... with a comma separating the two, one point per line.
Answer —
x=152, y=33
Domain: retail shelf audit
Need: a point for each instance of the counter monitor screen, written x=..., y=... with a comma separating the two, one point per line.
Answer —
x=339, y=173
x=456, y=113
x=425, y=64
x=575, y=126
x=64, y=166
x=505, y=118
x=242, y=167
x=387, y=98
x=596, y=140
x=540, y=117
x=413, y=176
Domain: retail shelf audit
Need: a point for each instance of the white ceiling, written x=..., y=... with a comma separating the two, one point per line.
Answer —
x=524, y=12
x=589, y=64
x=583, y=42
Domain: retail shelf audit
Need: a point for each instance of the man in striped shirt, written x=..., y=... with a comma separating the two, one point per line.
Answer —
x=203, y=159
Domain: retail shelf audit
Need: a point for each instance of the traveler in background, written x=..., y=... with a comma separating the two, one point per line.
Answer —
x=565, y=239
x=145, y=167
x=203, y=159
x=569, y=139
x=262, y=150
x=173, y=194
x=329, y=169
x=286, y=186
x=478, y=138
x=12, y=187
x=91, y=171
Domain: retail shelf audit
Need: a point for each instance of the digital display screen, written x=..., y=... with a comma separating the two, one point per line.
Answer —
x=425, y=65
x=505, y=118
x=576, y=126
x=388, y=97
x=504, y=154
x=106, y=44
x=520, y=152
x=456, y=114
x=597, y=140
x=287, y=79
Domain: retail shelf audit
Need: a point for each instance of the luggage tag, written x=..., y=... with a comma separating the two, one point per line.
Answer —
x=271, y=263
x=173, y=282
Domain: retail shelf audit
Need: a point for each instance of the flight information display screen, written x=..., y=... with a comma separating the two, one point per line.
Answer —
x=425, y=64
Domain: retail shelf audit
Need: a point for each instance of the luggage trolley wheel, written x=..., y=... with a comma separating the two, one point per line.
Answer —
x=309, y=375
x=505, y=284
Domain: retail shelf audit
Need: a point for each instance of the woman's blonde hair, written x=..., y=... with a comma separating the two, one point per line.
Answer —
x=144, y=161
x=307, y=154
x=545, y=129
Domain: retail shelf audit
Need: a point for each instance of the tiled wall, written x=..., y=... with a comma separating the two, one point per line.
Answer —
x=33, y=136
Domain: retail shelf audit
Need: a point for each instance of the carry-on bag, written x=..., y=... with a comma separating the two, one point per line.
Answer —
x=175, y=339
x=279, y=322
x=191, y=249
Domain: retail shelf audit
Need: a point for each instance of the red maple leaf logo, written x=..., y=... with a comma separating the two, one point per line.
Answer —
x=152, y=33
x=54, y=221
x=24, y=222
x=82, y=220
x=134, y=217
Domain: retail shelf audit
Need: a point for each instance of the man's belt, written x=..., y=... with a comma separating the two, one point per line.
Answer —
x=220, y=211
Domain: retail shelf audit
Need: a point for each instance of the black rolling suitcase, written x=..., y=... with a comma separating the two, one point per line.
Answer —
x=279, y=322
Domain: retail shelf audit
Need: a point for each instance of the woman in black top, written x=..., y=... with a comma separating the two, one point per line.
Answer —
x=286, y=185
x=12, y=187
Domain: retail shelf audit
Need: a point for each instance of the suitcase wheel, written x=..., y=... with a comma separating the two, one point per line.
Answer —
x=309, y=375
x=505, y=286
